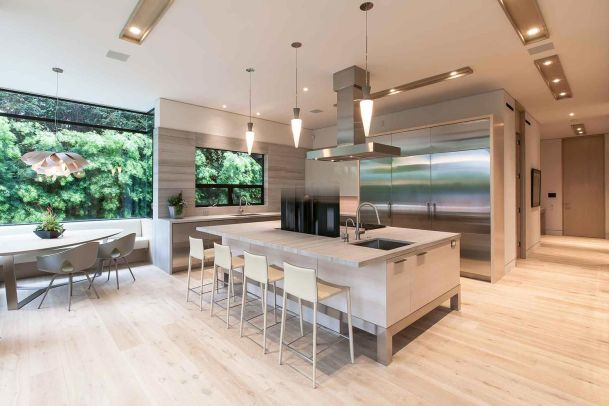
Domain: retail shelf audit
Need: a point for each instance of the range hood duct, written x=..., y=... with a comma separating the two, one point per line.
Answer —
x=350, y=139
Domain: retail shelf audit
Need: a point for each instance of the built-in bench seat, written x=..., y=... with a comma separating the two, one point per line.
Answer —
x=141, y=227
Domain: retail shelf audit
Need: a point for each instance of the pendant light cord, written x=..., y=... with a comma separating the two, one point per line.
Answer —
x=296, y=77
x=367, y=83
x=250, y=96
x=56, y=101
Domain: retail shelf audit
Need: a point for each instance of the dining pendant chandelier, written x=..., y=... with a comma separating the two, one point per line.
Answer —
x=249, y=134
x=296, y=121
x=366, y=103
x=56, y=163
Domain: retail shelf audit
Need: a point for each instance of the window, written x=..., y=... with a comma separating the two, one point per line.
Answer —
x=224, y=177
x=117, y=143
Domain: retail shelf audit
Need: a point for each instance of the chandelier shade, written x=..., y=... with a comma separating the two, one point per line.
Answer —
x=54, y=163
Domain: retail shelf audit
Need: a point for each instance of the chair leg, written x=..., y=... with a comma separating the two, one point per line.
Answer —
x=214, y=282
x=109, y=269
x=314, y=343
x=350, y=325
x=300, y=314
x=266, y=287
x=70, y=292
x=283, y=311
x=275, y=301
x=129, y=268
x=228, y=296
x=95, y=273
x=116, y=271
x=188, y=278
x=202, y=274
x=47, y=291
x=243, y=295
x=91, y=284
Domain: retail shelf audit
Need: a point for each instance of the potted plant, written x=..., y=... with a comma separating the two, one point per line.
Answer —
x=50, y=226
x=176, y=206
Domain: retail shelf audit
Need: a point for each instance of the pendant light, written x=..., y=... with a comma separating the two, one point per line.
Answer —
x=56, y=163
x=249, y=134
x=366, y=103
x=296, y=121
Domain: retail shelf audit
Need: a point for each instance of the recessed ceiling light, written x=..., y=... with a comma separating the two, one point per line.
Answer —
x=224, y=106
x=305, y=89
x=392, y=90
x=134, y=30
x=562, y=94
x=554, y=76
x=556, y=80
x=146, y=14
x=579, y=129
x=571, y=114
x=454, y=73
x=533, y=31
x=547, y=63
x=257, y=113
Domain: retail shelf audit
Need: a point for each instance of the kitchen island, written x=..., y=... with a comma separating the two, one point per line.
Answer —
x=390, y=287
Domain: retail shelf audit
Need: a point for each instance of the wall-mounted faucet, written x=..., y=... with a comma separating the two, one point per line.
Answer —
x=346, y=234
x=241, y=199
x=357, y=221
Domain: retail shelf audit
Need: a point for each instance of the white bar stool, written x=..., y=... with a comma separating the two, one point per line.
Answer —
x=304, y=284
x=257, y=269
x=223, y=259
x=198, y=251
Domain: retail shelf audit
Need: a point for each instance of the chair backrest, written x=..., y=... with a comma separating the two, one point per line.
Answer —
x=255, y=267
x=222, y=256
x=196, y=248
x=121, y=247
x=75, y=259
x=300, y=282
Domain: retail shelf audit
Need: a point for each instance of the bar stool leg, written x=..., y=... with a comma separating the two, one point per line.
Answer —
x=314, y=343
x=70, y=292
x=350, y=325
x=282, y=329
x=300, y=314
x=266, y=287
x=243, y=295
x=228, y=296
x=202, y=274
x=213, y=289
x=188, y=282
x=116, y=271
x=275, y=301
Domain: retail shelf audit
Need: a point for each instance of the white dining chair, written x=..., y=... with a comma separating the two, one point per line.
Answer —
x=113, y=251
x=198, y=251
x=224, y=261
x=304, y=284
x=257, y=269
x=69, y=262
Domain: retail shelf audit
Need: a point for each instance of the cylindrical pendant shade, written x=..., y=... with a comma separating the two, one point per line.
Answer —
x=365, y=107
x=249, y=140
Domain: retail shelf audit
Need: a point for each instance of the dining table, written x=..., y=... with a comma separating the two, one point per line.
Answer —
x=30, y=244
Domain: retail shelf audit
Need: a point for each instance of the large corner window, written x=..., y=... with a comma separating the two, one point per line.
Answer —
x=226, y=178
x=117, y=183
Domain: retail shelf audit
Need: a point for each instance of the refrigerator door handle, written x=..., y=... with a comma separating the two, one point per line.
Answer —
x=429, y=210
x=434, y=210
x=389, y=204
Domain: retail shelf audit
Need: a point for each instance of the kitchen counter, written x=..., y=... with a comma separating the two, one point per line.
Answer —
x=389, y=289
x=268, y=234
x=216, y=217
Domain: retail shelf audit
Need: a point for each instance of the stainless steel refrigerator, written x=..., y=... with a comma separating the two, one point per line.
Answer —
x=440, y=182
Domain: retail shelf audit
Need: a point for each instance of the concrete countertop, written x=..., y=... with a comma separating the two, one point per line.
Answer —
x=216, y=217
x=268, y=234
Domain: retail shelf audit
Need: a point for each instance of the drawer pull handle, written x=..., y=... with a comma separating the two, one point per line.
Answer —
x=453, y=243
x=400, y=261
x=420, y=254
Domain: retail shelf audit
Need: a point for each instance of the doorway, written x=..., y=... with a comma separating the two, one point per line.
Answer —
x=584, y=186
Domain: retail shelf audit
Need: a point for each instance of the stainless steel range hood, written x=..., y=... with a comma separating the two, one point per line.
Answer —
x=352, y=144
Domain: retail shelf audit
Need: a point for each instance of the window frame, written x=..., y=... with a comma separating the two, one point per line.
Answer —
x=231, y=186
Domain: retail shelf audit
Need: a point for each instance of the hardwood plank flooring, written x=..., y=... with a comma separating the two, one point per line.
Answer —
x=538, y=336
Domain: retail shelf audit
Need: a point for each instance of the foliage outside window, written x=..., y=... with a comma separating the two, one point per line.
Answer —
x=117, y=143
x=224, y=177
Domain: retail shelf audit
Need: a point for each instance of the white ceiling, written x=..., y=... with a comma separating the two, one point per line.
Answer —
x=199, y=51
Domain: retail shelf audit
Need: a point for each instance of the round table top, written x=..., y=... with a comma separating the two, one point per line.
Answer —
x=23, y=243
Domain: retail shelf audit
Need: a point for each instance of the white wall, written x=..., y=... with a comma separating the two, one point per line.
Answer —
x=189, y=117
x=532, y=158
x=551, y=181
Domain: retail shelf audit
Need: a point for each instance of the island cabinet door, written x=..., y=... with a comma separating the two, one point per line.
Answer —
x=435, y=271
x=400, y=273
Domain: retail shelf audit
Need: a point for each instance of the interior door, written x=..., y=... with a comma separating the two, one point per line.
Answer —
x=411, y=192
x=583, y=186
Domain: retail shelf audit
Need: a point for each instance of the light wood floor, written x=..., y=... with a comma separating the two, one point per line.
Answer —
x=539, y=336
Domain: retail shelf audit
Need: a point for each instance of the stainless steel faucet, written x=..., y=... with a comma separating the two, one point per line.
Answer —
x=346, y=234
x=357, y=221
x=241, y=199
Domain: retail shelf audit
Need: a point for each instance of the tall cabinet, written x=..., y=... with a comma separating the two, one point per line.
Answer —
x=440, y=182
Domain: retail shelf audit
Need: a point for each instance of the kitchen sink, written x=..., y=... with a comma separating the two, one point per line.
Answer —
x=382, y=244
x=246, y=214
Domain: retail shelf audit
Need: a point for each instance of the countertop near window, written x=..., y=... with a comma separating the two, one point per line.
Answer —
x=216, y=217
